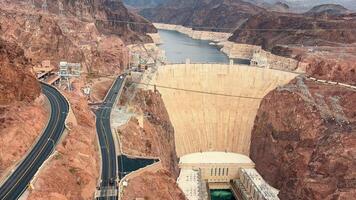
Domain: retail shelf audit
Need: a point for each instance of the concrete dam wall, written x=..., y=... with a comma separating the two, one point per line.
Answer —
x=213, y=106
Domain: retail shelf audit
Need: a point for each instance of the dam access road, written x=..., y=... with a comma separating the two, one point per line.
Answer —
x=108, y=186
x=20, y=179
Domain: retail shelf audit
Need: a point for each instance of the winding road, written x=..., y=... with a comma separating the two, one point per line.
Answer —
x=108, y=185
x=20, y=179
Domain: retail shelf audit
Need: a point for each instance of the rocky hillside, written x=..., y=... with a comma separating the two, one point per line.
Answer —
x=339, y=65
x=324, y=42
x=156, y=136
x=203, y=13
x=17, y=82
x=328, y=9
x=23, y=110
x=110, y=17
x=115, y=23
x=269, y=29
x=158, y=184
x=305, y=144
x=153, y=137
x=93, y=33
x=49, y=36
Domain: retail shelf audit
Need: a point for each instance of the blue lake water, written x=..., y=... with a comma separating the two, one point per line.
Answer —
x=179, y=47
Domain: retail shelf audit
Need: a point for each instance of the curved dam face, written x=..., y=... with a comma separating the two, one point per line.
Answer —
x=213, y=106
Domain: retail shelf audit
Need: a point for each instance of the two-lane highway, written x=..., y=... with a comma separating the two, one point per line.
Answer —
x=108, y=185
x=19, y=180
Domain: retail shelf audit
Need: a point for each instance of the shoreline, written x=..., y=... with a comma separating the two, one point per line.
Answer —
x=256, y=55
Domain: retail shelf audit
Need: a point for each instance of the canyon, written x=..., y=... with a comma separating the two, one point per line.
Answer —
x=291, y=110
x=319, y=45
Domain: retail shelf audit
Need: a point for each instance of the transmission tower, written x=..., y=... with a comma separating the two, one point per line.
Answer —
x=67, y=71
x=44, y=6
x=31, y=3
x=60, y=8
x=78, y=11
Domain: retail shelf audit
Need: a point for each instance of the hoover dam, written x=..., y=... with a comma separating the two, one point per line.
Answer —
x=177, y=100
x=213, y=106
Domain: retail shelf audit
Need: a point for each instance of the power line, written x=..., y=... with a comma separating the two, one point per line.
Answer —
x=110, y=76
x=219, y=28
x=230, y=28
x=197, y=91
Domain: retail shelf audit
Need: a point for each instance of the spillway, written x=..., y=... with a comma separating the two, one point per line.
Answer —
x=213, y=106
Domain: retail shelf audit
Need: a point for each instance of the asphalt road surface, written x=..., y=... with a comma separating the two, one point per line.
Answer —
x=106, y=140
x=19, y=180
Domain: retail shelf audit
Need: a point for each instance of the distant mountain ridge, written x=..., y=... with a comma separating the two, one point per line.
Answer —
x=221, y=14
x=305, y=5
x=254, y=25
x=329, y=9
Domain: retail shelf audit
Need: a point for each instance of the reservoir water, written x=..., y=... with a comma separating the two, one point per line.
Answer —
x=179, y=47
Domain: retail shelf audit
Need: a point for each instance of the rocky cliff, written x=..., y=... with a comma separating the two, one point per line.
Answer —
x=305, y=144
x=46, y=36
x=155, y=136
x=329, y=66
x=116, y=20
x=110, y=17
x=92, y=33
x=156, y=184
x=23, y=110
x=150, y=134
x=17, y=82
x=223, y=14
